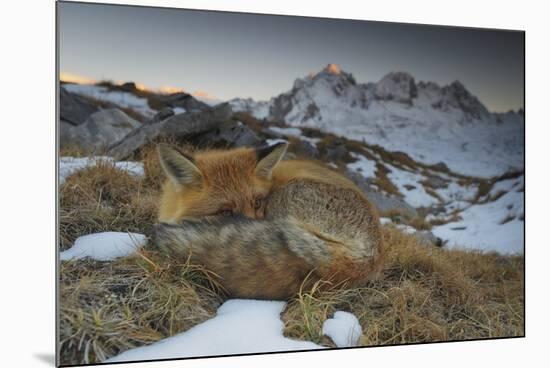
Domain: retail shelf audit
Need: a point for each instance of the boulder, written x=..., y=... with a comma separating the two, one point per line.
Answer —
x=176, y=126
x=229, y=134
x=183, y=100
x=163, y=114
x=74, y=109
x=305, y=149
x=336, y=153
x=66, y=133
x=100, y=130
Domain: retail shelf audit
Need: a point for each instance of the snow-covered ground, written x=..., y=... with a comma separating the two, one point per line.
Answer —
x=363, y=165
x=493, y=226
x=479, y=148
x=69, y=165
x=242, y=327
x=493, y=223
x=260, y=109
x=120, y=98
x=409, y=185
x=104, y=246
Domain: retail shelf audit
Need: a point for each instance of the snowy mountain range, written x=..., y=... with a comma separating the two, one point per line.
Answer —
x=430, y=123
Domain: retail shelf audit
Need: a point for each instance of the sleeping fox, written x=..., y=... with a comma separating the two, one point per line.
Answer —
x=264, y=225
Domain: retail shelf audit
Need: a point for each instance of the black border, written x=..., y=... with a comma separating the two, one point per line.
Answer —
x=57, y=142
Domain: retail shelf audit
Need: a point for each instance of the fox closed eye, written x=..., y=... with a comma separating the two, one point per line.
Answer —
x=224, y=212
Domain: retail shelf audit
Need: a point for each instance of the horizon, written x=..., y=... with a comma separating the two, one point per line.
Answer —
x=222, y=55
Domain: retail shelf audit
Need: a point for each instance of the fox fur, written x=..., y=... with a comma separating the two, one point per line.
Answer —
x=264, y=225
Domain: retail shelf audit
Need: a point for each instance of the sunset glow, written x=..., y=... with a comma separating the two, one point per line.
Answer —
x=74, y=78
x=79, y=79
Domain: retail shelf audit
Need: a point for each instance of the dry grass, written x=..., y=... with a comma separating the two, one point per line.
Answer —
x=425, y=294
x=109, y=307
x=401, y=217
x=383, y=182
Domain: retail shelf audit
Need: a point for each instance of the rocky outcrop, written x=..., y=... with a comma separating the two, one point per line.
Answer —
x=398, y=86
x=99, y=131
x=228, y=134
x=183, y=100
x=74, y=109
x=457, y=96
x=179, y=126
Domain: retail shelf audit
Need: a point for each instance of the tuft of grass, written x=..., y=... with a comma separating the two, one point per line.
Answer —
x=103, y=198
x=109, y=307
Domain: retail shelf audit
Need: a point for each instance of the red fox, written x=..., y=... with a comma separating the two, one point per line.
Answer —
x=264, y=224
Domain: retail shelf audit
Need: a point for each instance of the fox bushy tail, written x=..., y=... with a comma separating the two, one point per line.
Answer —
x=257, y=258
x=223, y=239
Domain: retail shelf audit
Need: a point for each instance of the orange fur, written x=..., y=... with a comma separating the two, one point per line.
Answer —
x=327, y=207
x=228, y=182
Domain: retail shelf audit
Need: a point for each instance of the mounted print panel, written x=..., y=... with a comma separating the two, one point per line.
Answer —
x=235, y=183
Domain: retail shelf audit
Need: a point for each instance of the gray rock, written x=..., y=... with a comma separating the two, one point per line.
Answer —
x=440, y=166
x=183, y=100
x=336, y=153
x=177, y=126
x=66, y=133
x=271, y=133
x=437, y=183
x=229, y=134
x=305, y=149
x=163, y=114
x=428, y=238
x=100, y=130
x=74, y=109
x=382, y=202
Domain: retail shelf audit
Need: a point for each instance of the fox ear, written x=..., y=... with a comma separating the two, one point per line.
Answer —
x=268, y=158
x=178, y=167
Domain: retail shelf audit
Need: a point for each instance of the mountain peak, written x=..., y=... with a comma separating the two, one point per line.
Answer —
x=398, y=86
x=333, y=69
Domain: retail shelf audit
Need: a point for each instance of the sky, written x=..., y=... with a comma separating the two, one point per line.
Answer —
x=225, y=55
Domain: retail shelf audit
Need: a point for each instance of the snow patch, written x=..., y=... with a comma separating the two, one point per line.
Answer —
x=239, y=327
x=271, y=142
x=493, y=226
x=104, y=246
x=120, y=98
x=404, y=181
x=287, y=131
x=178, y=110
x=363, y=165
x=344, y=329
x=385, y=221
